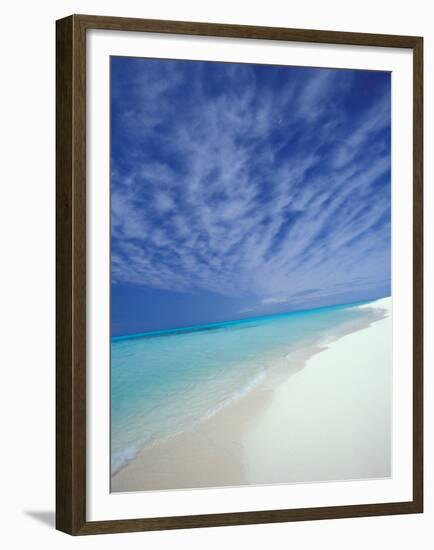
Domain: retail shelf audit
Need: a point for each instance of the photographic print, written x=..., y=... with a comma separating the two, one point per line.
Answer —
x=250, y=274
x=239, y=274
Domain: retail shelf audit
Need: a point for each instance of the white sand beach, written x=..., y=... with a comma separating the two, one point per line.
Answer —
x=326, y=417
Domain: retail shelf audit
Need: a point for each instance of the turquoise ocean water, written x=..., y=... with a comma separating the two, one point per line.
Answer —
x=164, y=382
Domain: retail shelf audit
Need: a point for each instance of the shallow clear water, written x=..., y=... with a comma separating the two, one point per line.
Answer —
x=163, y=382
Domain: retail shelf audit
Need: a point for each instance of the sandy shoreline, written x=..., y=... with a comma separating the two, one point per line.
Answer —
x=324, y=417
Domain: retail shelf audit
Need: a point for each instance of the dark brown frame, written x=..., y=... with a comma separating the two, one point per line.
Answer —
x=71, y=274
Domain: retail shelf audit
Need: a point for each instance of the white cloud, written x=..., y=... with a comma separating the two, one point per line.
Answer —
x=275, y=300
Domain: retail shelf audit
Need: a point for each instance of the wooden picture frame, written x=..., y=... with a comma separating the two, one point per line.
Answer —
x=71, y=274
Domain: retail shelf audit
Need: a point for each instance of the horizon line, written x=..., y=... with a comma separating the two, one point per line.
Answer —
x=209, y=326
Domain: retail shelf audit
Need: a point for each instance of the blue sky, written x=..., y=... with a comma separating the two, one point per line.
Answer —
x=240, y=190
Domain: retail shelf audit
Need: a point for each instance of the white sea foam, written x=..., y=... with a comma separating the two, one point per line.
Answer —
x=254, y=383
x=120, y=459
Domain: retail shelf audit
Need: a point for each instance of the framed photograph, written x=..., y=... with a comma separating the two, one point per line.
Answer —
x=239, y=275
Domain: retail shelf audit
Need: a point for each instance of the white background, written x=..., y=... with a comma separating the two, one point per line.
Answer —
x=27, y=272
